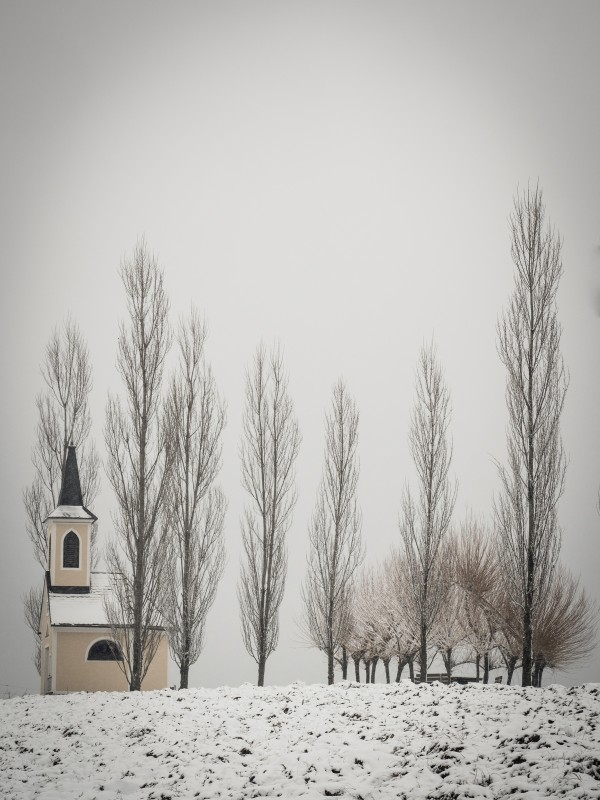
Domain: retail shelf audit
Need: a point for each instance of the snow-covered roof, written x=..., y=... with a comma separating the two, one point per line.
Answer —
x=71, y=512
x=82, y=609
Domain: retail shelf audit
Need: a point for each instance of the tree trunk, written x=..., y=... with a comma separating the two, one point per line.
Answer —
x=344, y=663
x=477, y=666
x=486, y=667
x=261, y=670
x=184, y=670
x=510, y=669
x=527, y=667
x=423, y=653
x=448, y=664
x=373, y=665
x=386, y=664
x=367, y=671
x=528, y=610
x=136, y=665
x=330, y=644
x=140, y=556
x=356, y=668
x=401, y=665
x=330, y=666
x=411, y=669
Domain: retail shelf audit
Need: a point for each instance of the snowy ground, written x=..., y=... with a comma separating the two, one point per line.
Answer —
x=349, y=740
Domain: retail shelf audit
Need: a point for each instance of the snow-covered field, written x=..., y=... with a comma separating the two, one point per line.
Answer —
x=349, y=740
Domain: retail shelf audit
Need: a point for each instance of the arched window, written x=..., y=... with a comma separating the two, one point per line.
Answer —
x=71, y=550
x=105, y=650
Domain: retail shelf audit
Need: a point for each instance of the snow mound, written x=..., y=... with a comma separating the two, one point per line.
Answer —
x=349, y=740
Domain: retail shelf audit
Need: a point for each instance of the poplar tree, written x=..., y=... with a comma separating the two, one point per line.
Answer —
x=139, y=457
x=532, y=481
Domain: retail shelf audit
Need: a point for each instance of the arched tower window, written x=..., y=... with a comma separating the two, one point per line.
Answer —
x=71, y=551
x=105, y=650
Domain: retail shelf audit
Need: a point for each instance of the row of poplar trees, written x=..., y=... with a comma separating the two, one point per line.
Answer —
x=163, y=455
x=526, y=533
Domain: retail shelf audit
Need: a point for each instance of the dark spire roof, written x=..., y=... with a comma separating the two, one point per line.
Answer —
x=70, y=489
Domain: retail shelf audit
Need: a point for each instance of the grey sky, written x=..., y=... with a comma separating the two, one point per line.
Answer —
x=334, y=175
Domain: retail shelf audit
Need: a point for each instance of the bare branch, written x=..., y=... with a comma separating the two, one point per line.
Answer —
x=32, y=607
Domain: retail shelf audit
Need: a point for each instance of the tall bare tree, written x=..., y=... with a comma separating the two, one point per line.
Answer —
x=529, y=347
x=270, y=444
x=196, y=508
x=424, y=522
x=334, y=531
x=63, y=419
x=138, y=466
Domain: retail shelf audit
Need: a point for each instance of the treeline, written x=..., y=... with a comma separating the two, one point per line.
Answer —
x=496, y=596
x=478, y=622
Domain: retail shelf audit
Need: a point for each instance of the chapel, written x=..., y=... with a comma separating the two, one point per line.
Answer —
x=78, y=651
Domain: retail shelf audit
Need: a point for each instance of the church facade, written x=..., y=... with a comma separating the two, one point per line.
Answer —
x=78, y=651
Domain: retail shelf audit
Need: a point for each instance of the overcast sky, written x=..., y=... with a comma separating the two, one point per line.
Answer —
x=334, y=175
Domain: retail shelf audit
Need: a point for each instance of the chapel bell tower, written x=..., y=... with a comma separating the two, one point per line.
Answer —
x=69, y=533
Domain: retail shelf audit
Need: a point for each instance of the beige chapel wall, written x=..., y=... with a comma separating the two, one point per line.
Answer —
x=45, y=643
x=71, y=577
x=75, y=674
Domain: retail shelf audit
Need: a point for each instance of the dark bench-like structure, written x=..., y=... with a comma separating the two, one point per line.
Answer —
x=443, y=678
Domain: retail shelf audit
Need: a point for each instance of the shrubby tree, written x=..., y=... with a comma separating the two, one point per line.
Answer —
x=351, y=636
x=532, y=481
x=424, y=521
x=565, y=625
x=388, y=619
x=448, y=633
x=365, y=637
x=334, y=533
x=478, y=576
x=401, y=614
x=399, y=599
x=510, y=634
x=270, y=444
x=379, y=629
x=139, y=460
x=196, y=508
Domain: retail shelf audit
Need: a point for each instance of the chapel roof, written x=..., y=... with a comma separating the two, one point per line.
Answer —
x=70, y=488
x=82, y=609
x=70, y=499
